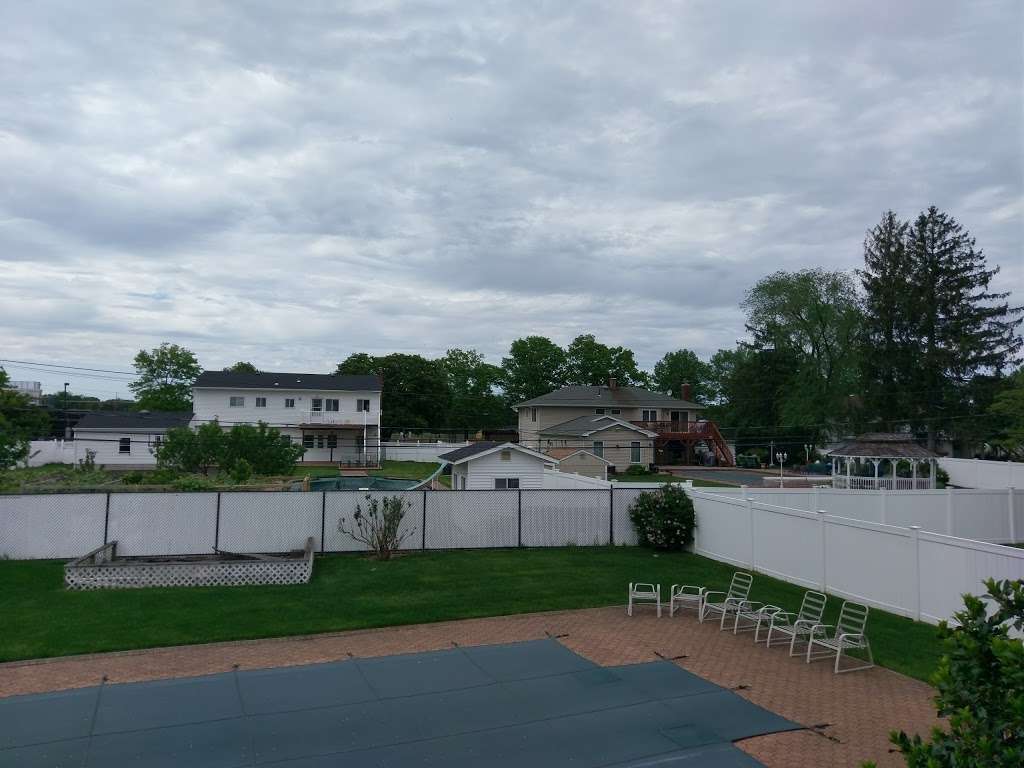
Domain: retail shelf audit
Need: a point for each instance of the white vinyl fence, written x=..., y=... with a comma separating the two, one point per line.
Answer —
x=873, y=551
x=405, y=451
x=978, y=473
x=42, y=452
x=904, y=570
x=995, y=516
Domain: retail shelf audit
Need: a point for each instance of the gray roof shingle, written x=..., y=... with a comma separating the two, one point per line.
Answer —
x=268, y=380
x=584, y=424
x=603, y=396
x=470, y=450
x=132, y=421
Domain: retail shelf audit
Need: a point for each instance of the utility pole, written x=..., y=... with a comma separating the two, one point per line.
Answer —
x=67, y=429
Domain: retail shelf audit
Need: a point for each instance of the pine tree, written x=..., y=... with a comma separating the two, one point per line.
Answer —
x=959, y=329
x=887, y=320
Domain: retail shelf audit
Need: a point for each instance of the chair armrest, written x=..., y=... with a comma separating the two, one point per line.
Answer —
x=781, y=616
x=679, y=589
x=713, y=592
x=844, y=635
x=816, y=627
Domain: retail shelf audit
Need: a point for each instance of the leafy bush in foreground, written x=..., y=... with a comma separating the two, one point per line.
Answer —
x=663, y=519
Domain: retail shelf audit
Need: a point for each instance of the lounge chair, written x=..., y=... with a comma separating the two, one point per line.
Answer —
x=796, y=626
x=846, y=634
x=644, y=593
x=754, y=616
x=727, y=603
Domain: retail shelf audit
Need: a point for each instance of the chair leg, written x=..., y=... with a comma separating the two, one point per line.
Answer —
x=658, y=598
x=629, y=604
x=721, y=623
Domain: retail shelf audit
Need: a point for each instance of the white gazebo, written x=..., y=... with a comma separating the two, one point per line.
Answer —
x=883, y=454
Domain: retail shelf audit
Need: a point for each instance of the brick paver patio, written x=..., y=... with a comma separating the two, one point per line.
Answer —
x=848, y=716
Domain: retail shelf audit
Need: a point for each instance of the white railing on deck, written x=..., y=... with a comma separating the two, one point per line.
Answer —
x=878, y=483
x=340, y=418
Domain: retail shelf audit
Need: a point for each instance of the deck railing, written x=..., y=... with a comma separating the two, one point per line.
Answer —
x=888, y=483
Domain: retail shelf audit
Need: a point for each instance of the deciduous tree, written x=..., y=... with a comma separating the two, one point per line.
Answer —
x=165, y=378
x=684, y=367
x=535, y=366
x=20, y=422
x=588, y=362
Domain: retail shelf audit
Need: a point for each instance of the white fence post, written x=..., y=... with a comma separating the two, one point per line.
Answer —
x=750, y=516
x=915, y=533
x=1011, y=512
x=949, y=510
x=824, y=549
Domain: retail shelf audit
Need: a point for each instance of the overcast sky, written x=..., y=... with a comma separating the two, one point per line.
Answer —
x=288, y=183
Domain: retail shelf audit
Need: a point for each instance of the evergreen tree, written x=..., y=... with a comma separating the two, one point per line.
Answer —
x=887, y=318
x=960, y=329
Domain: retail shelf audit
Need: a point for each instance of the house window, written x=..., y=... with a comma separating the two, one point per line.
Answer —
x=319, y=441
x=124, y=445
x=599, y=448
x=533, y=414
x=634, y=452
x=599, y=411
x=289, y=402
x=261, y=402
x=651, y=415
x=307, y=441
x=318, y=404
x=506, y=483
x=236, y=401
x=332, y=404
x=363, y=405
x=332, y=441
x=615, y=411
x=506, y=455
x=157, y=440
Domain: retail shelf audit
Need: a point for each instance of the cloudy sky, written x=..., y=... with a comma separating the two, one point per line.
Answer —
x=288, y=183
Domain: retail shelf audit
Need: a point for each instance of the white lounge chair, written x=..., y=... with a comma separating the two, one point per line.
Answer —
x=644, y=593
x=797, y=626
x=685, y=596
x=727, y=603
x=754, y=616
x=847, y=634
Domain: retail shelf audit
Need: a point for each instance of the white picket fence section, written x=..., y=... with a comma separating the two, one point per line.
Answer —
x=904, y=570
x=979, y=473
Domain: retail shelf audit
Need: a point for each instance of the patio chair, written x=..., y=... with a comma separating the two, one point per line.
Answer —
x=727, y=603
x=685, y=596
x=846, y=634
x=754, y=616
x=796, y=626
x=644, y=593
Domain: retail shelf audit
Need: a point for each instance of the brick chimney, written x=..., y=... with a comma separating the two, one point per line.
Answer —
x=684, y=392
x=613, y=383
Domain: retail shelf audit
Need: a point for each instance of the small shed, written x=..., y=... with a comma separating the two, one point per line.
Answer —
x=883, y=460
x=581, y=462
x=489, y=465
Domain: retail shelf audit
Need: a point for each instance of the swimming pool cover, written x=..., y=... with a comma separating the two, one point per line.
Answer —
x=533, y=704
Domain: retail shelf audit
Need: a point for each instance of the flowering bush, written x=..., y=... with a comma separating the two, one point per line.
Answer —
x=663, y=519
x=378, y=526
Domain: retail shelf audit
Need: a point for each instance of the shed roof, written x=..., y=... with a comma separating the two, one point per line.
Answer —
x=587, y=425
x=883, y=445
x=564, y=453
x=472, y=451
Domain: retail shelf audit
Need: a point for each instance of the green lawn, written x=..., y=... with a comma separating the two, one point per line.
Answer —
x=40, y=618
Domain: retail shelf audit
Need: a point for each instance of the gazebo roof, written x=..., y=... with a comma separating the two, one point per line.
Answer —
x=883, y=445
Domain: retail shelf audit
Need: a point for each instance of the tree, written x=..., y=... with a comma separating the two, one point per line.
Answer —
x=263, y=449
x=20, y=422
x=886, y=280
x=588, y=362
x=814, y=318
x=242, y=367
x=960, y=328
x=535, y=366
x=165, y=378
x=380, y=526
x=1007, y=410
x=980, y=685
x=415, y=392
x=684, y=367
x=187, y=450
x=472, y=382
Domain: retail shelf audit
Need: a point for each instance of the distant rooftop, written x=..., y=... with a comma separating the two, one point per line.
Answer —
x=883, y=445
x=266, y=380
x=605, y=396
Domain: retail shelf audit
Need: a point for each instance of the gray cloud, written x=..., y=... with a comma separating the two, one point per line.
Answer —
x=289, y=185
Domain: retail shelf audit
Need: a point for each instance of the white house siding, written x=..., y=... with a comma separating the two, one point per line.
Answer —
x=584, y=464
x=106, y=445
x=215, y=403
x=482, y=472
x=616, y=441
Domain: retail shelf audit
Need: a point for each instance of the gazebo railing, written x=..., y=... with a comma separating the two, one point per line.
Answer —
x=887, y=483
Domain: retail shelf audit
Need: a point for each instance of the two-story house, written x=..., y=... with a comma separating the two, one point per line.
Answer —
x=624, y=425
x=335, y=417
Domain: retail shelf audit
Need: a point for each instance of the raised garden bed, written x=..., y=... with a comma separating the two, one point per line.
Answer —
x=103, y=569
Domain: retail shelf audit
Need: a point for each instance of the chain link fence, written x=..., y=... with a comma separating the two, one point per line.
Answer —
x=67, y=525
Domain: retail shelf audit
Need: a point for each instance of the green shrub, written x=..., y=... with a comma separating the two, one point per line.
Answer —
x=133, y=478
x=193, y=483
x=663, y=519
x=636, y=469
x=980, y=686
x=378, y=527
x=240, y=472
